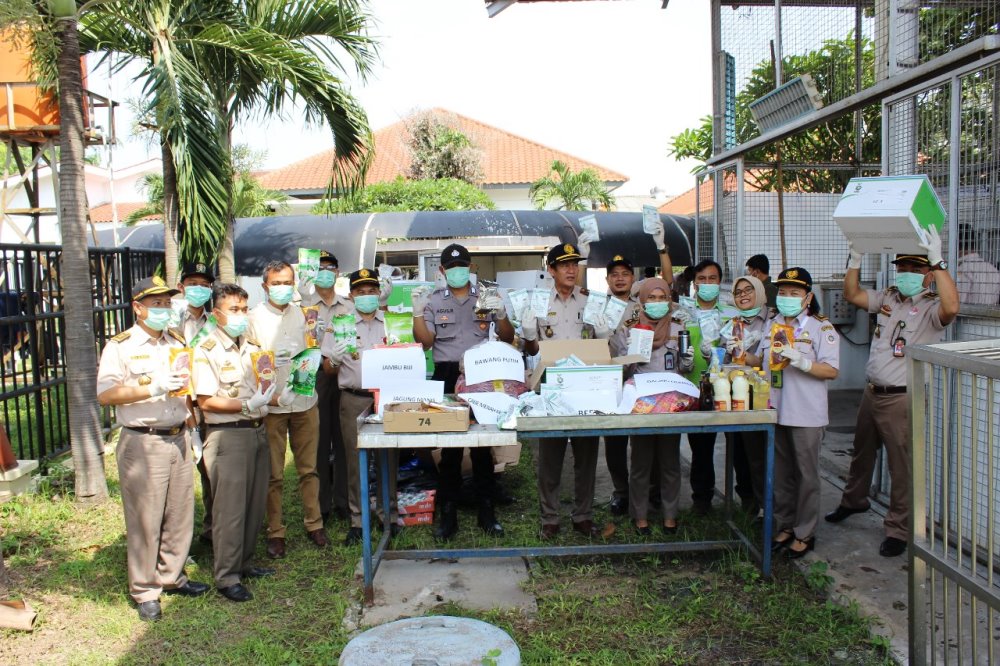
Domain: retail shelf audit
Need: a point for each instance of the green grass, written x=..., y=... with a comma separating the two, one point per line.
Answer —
x=69, y=562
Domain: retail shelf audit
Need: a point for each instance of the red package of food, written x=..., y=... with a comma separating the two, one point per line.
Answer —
x=508, y=386
x=664, y=403
x=781, y=337
x=180, y=361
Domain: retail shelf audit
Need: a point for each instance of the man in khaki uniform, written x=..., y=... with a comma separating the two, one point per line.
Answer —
x=354, y=400
x=564, y=322
x=330, y=447
x=154, y=462
x=907, y=314
x=292, y=419
x=236, y=449
x=196, y=289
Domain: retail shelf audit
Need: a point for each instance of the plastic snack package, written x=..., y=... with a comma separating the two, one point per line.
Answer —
x=180, y=361
x=308, y=263
x=710, y=324
x=486, y=289
x=345, y=329
x=781, y=337
x=263, y=368
x=398, y=328
x=311, y=313
x=305, y=365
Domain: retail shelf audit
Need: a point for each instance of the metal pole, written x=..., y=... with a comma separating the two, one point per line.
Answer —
x=954, y=183
x=366, y=528
x=778, y=69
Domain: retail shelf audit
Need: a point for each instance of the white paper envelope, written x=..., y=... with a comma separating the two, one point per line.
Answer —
x=493, y=360
x=488, y=407
x=424, y=390
x=392, y=366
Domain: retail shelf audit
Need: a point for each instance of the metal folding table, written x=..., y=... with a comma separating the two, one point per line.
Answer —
x=371, y=436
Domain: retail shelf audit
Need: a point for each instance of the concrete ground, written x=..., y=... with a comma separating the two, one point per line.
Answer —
x=878, y=585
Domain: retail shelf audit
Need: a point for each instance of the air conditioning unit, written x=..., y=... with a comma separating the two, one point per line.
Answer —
x=784, y=104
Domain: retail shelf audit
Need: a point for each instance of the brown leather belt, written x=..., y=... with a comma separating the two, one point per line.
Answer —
x=245, y=423
x=886, y=389
x=161, y=432
x=358, y=392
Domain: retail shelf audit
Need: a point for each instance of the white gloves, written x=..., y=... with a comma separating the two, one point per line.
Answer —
x=583, y=242
x=854, y=261
x=384, y=290
x=529, y=325
x=420, y=297
x=261, y=397
x=336, y=352
x=687, y=360
x=287, y=396
x=495, y=303
x=306, y=288
x=681, y=316
x=172, y=381
x=601, y=329
x=197, y=448
x=706, y=349
x=933, y=247
x=798, y=360
x=657, y=235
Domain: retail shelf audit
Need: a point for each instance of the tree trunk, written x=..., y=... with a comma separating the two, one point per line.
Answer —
x=227, y=257
x=81, y=348
x=171, y=213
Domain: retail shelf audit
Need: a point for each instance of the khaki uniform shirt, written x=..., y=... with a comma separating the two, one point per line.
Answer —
x=340, y=305
x=802, y=399
x=133, y=358
x=284, y=333
x=190, y=325
x=223, y=367
x=370, y=334
x=916, y=320
x=456, y=325
x=565, y=317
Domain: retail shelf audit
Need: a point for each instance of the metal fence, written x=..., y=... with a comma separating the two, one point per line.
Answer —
x=954, y=608
x=33, y=373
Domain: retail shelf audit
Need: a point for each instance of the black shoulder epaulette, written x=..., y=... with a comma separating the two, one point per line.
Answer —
x=585, y=292
x=176, y=336
x=631, y=321
x=208, y=344
x=122, y=337
x=933, y=294
x=893, y=289
x=821, y=317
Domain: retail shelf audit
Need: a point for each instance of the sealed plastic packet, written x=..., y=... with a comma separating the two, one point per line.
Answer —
x=614, y=310
x=308, y=263
x=398, y=328
x=305, y=365
x=781, y=337
x=313, y=334
x=180, y=361
x=596, y=302
x=540, y=302
x=345, y=330
x=588, y=223
x=263, y=368
x=486, y=289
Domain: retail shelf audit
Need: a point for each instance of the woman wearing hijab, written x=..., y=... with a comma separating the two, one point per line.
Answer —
x=750, y=298
x=654, y=313
x=799, y=394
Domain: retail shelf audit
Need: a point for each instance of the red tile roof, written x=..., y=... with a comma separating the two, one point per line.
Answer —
x=685, y=203
x=507, y=158
x=102, y=213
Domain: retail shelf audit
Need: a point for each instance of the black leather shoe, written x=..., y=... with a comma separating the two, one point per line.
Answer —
x=149, y=611
x=643, y=531
x=189, y=589
x=447, y=522
x=487, y=520
x=258, y=572
x=842, y=512
x=353, y=537
x=892, y=547
x=618, y=506
x=792, y=554
x=236, y=593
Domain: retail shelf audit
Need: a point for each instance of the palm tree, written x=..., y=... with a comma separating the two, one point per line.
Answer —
x=249, y=199
x=289, y=60
x=571, y=190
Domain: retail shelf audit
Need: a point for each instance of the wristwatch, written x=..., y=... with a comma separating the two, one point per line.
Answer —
x=940, y=266
x=665, y=250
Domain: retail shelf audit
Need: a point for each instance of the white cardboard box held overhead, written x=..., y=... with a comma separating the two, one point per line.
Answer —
x=889, y=214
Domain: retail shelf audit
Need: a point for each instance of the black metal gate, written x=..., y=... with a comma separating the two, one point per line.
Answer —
x=33, y=371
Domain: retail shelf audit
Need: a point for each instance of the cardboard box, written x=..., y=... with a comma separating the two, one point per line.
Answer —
x=416, y=502
x=889, y=214
x=413, y=519
x=396, y=418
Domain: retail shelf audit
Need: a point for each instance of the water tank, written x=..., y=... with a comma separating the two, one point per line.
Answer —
x=437, y=640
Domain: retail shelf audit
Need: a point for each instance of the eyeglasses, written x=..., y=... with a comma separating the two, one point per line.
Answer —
x=749, y=291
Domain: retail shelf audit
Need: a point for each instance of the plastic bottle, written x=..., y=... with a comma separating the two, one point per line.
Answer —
x=762, y=394
x=721, y=389
x=741, y=393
